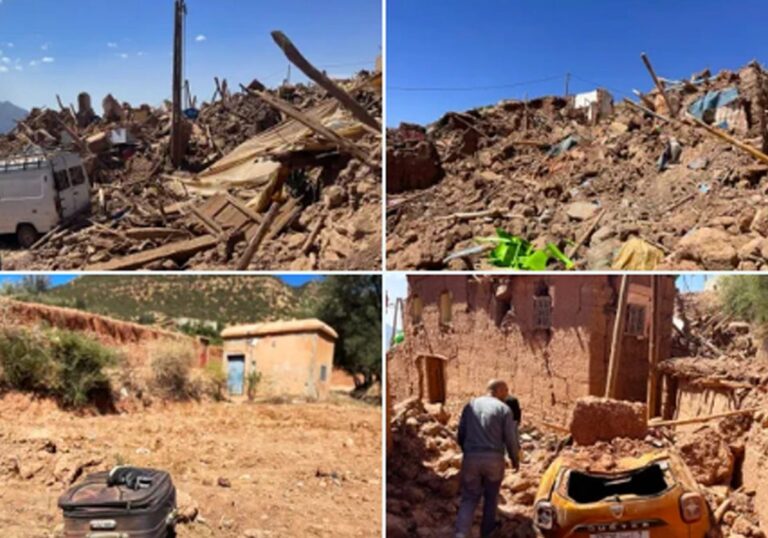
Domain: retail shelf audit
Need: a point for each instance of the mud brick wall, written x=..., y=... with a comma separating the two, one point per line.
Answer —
x=492, y=333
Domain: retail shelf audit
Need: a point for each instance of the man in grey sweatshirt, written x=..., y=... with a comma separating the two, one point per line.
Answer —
x=486, y=431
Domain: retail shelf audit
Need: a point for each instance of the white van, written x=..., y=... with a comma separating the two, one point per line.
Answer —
x=37, y=192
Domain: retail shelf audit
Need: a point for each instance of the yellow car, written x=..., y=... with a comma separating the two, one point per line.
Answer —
x=653, y=496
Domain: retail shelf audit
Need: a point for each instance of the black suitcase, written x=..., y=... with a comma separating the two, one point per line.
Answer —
x=127, y=502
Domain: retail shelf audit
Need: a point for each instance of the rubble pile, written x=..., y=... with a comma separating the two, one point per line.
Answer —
x=423, y=475
x=629, y=188
x=271, y=178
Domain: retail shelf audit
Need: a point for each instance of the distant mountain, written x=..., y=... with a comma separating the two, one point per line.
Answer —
x=225, y=299
x=9, y=114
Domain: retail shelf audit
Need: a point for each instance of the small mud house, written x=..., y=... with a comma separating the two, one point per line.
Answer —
x=293, y=358
x=548, y=336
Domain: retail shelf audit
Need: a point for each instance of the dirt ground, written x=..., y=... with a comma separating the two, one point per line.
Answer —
x=251, y=470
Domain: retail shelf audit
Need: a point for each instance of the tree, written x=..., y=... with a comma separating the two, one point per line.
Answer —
x=745, y=297
x=35, y=284
x=352, y=306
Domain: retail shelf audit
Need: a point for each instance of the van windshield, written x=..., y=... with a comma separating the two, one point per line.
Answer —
x=590, y=488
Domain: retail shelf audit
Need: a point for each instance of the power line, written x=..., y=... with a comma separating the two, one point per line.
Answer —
x=473, y=88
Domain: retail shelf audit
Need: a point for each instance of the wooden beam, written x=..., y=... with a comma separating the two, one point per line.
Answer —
x=175, y=251
x=177, y=136
x=256, y=240
x=307, y=246
x=616, y=341
x=312, y=124
x=659, y=85
x=757, y=154
x=293, y=54
x=699, y=420
x=653, y=350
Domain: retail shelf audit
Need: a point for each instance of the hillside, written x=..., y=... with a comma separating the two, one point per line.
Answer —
x=9, y=113
x=226, y=299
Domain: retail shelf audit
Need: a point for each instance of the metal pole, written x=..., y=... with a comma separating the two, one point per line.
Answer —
x=177, y=141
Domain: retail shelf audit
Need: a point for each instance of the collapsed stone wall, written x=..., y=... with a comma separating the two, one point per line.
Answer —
x=492, y=333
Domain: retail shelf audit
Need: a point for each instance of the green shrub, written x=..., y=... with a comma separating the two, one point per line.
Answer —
x=62, y=364
x=217, y=381
x=253, y=380
x=80, y=363
x=171, y=363
x=26, y=360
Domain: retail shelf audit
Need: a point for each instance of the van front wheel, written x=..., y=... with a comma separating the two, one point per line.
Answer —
x=26, y=235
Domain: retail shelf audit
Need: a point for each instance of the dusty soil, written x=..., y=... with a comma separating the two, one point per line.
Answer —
x=258, y=470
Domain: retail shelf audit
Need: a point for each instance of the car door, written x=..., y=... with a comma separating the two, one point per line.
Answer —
x=80, y=188
x=62, y=186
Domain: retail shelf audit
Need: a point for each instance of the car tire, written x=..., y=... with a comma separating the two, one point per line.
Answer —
x=26, y=235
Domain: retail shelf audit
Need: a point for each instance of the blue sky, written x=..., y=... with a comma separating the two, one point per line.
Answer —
x=58, y=279
x=124, y=48
x=459, y=44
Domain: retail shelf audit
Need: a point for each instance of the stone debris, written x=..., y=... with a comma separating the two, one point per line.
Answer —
x=284, y=148
x=545, y=171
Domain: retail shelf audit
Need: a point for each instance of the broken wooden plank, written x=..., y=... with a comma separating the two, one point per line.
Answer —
x=253, y=245
x=177, y=251
x=571, y=252
x=659, y=85
x=307, y=246
x=757, y=154
x=312, y=124
x=698, y=420
x=210, y=224
x=155, y=233
x=291, y=212
x=293, y=54
x=44, y=239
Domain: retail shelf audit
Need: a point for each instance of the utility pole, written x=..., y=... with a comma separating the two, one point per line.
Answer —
x=177, y=128
x=567, y=84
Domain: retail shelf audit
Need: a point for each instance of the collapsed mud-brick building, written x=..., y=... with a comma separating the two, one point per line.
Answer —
x=289, y=358
x=548, y=336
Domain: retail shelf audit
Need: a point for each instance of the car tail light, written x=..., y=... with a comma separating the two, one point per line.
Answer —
x=691, y=507
x=544, y=515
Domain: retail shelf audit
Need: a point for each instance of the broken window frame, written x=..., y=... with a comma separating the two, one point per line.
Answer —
x=416, y=309
x=635, y=321
x=562, y=485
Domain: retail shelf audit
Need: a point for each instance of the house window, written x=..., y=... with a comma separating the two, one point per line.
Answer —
x=635, y=320
x=445, y=308
x=416, y=307
x=542, y=312
x=323, y=372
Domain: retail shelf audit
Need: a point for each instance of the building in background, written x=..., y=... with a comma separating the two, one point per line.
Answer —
x=289, y=358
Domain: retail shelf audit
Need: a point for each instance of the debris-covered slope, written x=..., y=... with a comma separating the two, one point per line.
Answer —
x=659, y=184
x=285, y=178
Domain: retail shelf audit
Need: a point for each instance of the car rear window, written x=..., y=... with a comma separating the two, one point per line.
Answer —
x=76, y=175
x=590, y=488
x=60, y=180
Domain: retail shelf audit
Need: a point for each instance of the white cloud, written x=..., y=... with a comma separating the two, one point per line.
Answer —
x=140, y=53
x=48, y=60
x=3, y=69
x=44, y=46
x=124, y=56
x=112, y=45
x=18, y=68
x=5, y=60
x=10, y=45
x=200, y=38
x=33, y=63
